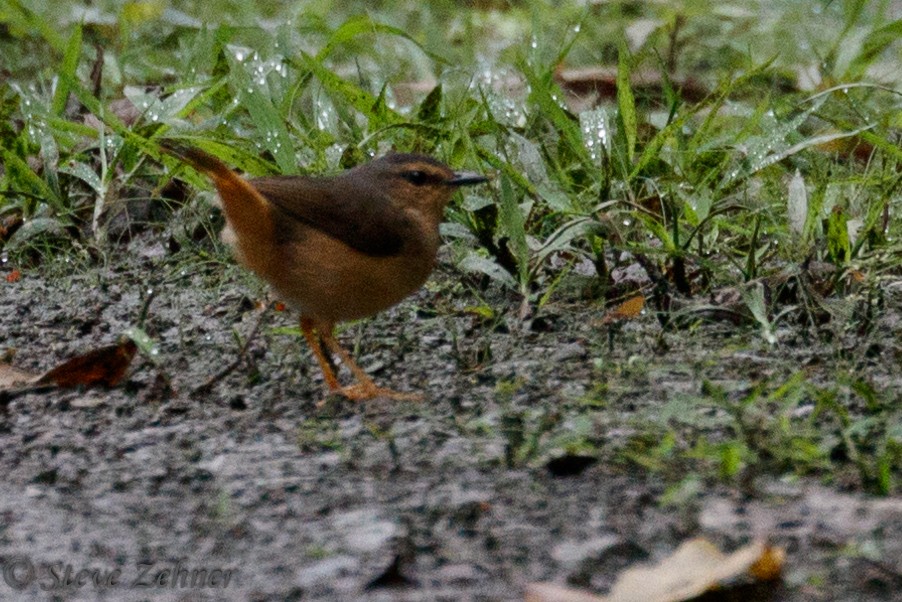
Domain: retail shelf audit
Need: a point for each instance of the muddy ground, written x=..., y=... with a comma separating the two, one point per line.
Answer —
x=446, y=499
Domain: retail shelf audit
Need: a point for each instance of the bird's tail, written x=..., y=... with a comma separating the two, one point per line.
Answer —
x=247, y=211
x=200, y=160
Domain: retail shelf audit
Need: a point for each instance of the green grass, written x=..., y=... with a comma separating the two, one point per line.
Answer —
x=789, y=428
x=778, y=177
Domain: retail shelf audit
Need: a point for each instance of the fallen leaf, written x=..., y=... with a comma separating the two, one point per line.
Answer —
x=627, y=310
x=857, y=276
x=104, y=366
x=14, y=276
x=850, y=148
x=9, y=224
x=601, y=81
x=696, y=567
x=769, y=566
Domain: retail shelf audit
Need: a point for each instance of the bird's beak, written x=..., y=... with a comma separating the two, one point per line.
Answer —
x=466, y=178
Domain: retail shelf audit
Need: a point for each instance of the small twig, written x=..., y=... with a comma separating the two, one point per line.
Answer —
x=661, y=292
x=242, y=354
x=145, y=307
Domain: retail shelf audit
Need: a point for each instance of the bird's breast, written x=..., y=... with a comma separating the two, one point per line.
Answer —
x=324, y=278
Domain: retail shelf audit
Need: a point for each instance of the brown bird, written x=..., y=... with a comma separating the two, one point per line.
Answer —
x=338, y=247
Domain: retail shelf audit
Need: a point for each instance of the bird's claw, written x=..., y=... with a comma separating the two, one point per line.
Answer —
x=367, y=391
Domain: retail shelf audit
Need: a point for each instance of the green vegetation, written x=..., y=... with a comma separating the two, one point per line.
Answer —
x=740, y=147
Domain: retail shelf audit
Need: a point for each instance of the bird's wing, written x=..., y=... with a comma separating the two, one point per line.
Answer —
x=360, y=217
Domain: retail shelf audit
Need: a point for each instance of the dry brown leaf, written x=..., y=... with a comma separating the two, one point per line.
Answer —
x=104, y=366
x=602, y=81
x=769, y=566
x=849, y=148
x=627, y=310
x=9, y=225
x=696, y=567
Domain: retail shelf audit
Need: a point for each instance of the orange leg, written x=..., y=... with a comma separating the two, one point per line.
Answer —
x=307, y=327
x=365, y=388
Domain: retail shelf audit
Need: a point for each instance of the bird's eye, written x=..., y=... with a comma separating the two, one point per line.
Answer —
x=416, y=177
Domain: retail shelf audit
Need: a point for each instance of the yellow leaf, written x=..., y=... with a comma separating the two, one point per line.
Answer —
x=696, y=567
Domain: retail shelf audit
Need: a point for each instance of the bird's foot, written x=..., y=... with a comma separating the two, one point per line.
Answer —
x=366, y=391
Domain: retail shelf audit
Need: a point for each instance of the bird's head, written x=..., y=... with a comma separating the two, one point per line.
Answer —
x=417, y=182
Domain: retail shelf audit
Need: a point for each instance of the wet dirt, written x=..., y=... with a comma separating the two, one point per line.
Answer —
x=257, y=493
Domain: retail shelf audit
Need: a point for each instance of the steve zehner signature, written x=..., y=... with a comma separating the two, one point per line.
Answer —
x=21, y=573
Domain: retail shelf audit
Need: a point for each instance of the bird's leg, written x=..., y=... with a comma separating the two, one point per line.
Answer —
x=365, y=387
x=307, y=327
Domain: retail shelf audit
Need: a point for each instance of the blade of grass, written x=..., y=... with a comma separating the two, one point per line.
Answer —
x=474, y=262
x=514, y=224
x=66, y=72
x=362, y=25
x=626, y=102
x=543, y=94
x=19, y=171
x=507, y=169
x=715, y=101
x=354, y=95
x=26, y=20
x=256, y=99
x=876, y=42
